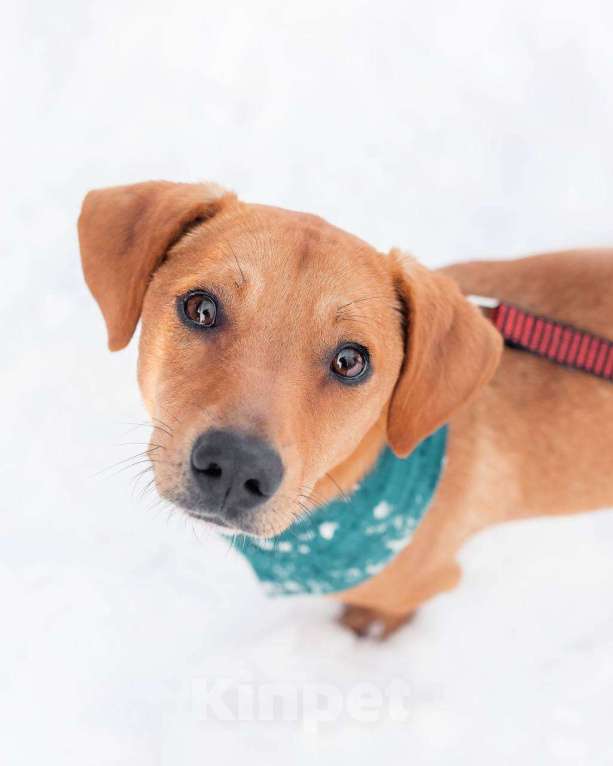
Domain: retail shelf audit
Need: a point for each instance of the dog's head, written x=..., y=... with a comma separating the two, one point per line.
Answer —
x=273, y=344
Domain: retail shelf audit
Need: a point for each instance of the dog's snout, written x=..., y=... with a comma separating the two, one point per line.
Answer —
x=234, y=472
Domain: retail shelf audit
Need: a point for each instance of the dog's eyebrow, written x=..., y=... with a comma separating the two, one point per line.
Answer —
x=238, y=265
x=345, y=306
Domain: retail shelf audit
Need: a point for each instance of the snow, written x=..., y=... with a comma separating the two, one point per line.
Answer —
x=454, y=129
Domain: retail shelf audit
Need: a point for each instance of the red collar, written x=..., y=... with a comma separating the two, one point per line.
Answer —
x=558, y=342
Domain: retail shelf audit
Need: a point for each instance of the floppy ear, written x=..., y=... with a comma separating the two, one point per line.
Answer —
x=124, y=234
x=451, y=350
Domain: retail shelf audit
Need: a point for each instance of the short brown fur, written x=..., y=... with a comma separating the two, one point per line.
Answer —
x=526, y=438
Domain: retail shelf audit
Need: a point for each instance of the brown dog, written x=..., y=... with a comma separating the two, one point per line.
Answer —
x=306, y=350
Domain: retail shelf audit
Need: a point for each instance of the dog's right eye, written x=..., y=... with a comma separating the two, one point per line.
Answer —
x=199, y=309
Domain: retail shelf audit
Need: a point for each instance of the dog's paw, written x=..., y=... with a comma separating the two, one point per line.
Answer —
x=370, y=623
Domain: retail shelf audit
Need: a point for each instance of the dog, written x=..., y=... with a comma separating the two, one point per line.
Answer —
x=279, y=355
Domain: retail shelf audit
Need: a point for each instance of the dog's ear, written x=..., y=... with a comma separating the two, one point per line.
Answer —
x=124, y=235
x=451, y=350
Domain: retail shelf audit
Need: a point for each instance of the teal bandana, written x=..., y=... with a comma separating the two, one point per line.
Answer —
x=345, y=542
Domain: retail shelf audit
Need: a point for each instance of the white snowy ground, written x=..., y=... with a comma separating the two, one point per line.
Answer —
x=455, y=129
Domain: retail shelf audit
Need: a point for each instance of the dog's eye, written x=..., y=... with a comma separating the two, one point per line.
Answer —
x=200, y=309
x=350, y=362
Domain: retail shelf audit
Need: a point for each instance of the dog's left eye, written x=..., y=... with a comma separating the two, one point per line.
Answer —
x=200, y=309
x=350, y=362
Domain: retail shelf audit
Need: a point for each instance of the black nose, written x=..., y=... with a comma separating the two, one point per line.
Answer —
x=234, y=472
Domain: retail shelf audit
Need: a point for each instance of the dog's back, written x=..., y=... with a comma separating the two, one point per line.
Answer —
x=554, y=424
x=572, y=286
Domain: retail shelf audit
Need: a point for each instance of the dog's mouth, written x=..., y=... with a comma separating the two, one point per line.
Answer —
x=208, y=517
x=224, y=525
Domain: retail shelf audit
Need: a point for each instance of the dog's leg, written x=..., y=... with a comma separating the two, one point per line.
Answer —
x=372, y=622
x=379, y=609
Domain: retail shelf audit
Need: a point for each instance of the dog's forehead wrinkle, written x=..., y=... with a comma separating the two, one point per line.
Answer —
x=285, y=258
x=296, y=232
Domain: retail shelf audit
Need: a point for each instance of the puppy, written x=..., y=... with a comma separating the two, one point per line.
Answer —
x=283, y=357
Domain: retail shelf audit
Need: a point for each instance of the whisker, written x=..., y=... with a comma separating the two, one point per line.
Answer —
x=158, y=504
x=126, y=460
x=163, y=426
x=194, y=529
x=307, y=499
x=140, y=444
x=231, y=541
x=338, y=486
x=127, y=467
x=140, y=462
x=172, y=415
x=145, y=425
x=360, y=300
x=363, y=320
x=237, y=263
x=139, y=476
x=148, y=486
x=312, y=496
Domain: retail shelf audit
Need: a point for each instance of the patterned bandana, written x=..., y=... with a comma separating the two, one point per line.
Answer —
x=345, y=542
